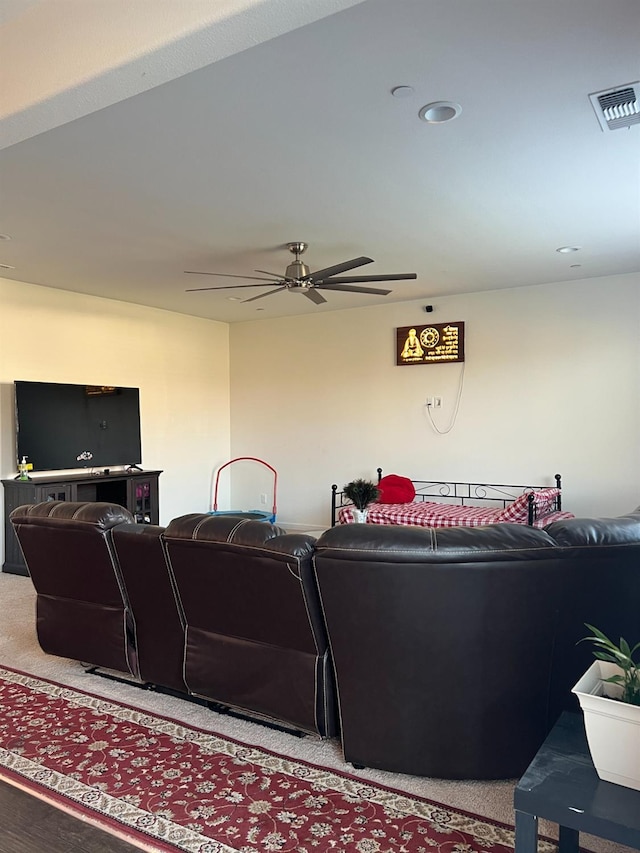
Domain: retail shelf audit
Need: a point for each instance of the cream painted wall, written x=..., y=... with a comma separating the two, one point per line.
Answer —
x=180, y=364
x=551, y=384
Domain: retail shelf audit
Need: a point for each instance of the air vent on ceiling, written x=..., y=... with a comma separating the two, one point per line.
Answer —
x=619, y=107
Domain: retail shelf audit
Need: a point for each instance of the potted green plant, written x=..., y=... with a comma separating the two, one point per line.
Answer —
x=361, y=493
x=609, y=695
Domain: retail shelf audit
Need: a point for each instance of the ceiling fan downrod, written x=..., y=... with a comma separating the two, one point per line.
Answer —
x=297, y=270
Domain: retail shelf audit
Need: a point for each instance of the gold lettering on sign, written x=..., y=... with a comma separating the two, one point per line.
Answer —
x=433, y=343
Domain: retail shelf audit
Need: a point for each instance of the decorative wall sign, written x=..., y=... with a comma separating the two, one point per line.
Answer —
x=433, y=343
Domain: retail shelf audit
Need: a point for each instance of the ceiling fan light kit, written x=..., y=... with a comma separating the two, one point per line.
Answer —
x=298, y=277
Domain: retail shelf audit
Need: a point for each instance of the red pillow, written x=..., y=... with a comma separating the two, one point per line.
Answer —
x=396, y=490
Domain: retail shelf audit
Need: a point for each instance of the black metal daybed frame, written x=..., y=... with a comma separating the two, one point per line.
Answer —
x=459, y=492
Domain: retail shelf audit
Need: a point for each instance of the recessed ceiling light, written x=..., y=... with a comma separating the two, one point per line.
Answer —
x=6, y=267
x=440, y=111
x=402, y=91
x=233, y=298
x=566, y=250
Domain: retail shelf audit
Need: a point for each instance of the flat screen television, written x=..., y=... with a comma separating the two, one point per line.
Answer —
x=60, y=426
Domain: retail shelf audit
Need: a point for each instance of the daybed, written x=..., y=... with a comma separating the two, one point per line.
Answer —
x=454, y=650
x=459, y=504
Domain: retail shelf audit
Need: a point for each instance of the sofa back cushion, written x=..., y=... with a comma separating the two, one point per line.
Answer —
x=598, y=532
x=399, y=543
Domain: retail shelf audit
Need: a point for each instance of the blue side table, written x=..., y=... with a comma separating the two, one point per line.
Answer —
x=561, y=785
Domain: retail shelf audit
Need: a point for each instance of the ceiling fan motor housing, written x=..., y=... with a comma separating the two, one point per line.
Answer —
x=297, y=270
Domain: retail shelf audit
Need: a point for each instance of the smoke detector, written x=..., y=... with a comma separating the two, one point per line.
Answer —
x=619, y=107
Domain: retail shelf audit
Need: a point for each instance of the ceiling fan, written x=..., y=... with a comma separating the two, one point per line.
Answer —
x=298, y=277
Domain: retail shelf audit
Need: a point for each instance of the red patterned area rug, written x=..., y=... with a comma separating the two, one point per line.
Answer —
x=170, y=787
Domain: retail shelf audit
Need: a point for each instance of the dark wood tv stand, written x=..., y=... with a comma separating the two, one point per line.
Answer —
x=134, y=489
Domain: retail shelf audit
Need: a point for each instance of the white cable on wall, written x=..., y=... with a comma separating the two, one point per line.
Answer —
x=455, y=408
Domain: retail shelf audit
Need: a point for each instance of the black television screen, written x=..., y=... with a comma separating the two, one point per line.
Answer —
x=77, y=426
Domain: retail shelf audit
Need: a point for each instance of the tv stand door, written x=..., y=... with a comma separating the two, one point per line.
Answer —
x=142, y=498
x=57, y=492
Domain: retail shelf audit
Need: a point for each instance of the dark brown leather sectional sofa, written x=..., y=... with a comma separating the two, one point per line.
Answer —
x=452, y=651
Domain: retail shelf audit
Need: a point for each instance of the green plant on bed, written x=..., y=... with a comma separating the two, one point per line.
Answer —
x=361, y=493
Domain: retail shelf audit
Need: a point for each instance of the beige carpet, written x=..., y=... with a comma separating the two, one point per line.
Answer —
x=19, y=649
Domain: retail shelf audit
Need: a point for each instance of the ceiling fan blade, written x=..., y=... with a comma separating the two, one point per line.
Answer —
x=327, y=272
x=276, y=276
x=351, y=289
x=230, y=275
x=262, y=295
x=226, y=286
x=354, y=279
x=314, y=296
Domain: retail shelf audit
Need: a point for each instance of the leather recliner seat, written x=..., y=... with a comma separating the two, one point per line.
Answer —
x=158, y=621
x=455, y=648
x=255, y=637
x=82, y=610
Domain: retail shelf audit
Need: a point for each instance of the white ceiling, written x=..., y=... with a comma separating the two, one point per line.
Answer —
x=212, y=135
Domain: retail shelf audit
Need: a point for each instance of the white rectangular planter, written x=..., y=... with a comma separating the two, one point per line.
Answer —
x=613, y=727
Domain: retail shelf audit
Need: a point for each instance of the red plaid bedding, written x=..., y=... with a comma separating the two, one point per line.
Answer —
x=433, y=514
